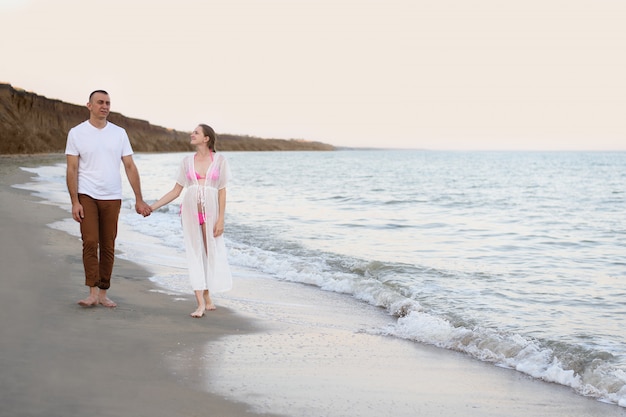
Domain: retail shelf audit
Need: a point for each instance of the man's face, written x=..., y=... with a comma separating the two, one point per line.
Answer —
x=99, y=105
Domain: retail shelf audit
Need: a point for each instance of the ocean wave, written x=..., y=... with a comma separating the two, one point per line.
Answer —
x=590, y=372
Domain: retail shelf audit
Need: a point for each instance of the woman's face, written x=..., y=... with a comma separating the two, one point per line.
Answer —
x=197, y=136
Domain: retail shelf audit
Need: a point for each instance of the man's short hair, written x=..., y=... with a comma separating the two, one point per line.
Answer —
x=97, y=91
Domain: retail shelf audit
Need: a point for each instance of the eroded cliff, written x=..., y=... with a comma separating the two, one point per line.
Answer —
x=30, y=123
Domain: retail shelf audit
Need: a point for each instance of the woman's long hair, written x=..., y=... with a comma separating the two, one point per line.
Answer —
x=208, y=131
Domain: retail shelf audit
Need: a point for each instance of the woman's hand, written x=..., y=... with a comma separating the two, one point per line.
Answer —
x=218, y=229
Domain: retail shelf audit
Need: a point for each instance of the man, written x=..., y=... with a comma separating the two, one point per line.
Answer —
x=95, y=149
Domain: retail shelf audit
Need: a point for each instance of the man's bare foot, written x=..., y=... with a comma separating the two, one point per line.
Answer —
x=198, y=313
x=107, y=302
x=88, y=302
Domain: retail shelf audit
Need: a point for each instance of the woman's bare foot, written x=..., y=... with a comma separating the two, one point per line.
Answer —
x=107, y=302
x=207, y=301
x=90, y=301
x=198, y=313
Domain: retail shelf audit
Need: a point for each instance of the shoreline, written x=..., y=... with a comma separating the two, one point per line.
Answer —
x=60, y=359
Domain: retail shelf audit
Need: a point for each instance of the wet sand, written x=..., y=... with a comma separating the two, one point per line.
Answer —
x=59, y=359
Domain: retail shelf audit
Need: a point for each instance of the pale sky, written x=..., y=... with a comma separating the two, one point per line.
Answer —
x=436, y=74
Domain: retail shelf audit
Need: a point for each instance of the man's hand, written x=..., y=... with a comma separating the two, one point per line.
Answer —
x=77, y=212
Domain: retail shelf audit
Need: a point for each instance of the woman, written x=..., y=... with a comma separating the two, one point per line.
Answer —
x=205, y=175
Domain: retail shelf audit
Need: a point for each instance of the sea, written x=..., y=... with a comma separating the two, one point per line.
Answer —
x=512, y=258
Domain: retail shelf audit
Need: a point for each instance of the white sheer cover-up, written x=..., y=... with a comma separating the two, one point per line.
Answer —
x=208, y=269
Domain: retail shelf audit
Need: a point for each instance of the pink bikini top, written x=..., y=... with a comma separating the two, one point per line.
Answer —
x=215, y=174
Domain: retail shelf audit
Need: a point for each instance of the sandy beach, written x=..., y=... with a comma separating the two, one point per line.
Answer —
x=59, y=359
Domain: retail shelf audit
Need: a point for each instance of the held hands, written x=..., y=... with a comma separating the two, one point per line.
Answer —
x=141, y=207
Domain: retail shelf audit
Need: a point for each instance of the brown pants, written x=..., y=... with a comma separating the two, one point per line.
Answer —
x=99, y=230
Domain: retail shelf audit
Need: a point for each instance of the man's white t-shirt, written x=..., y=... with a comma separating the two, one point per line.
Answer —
x=100, y=153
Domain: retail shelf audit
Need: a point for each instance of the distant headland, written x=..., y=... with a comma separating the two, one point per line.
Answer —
x=32, y=124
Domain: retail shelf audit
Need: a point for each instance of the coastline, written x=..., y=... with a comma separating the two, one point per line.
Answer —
x=57, y=362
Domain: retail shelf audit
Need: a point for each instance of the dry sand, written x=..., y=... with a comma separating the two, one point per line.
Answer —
x=58, y=359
